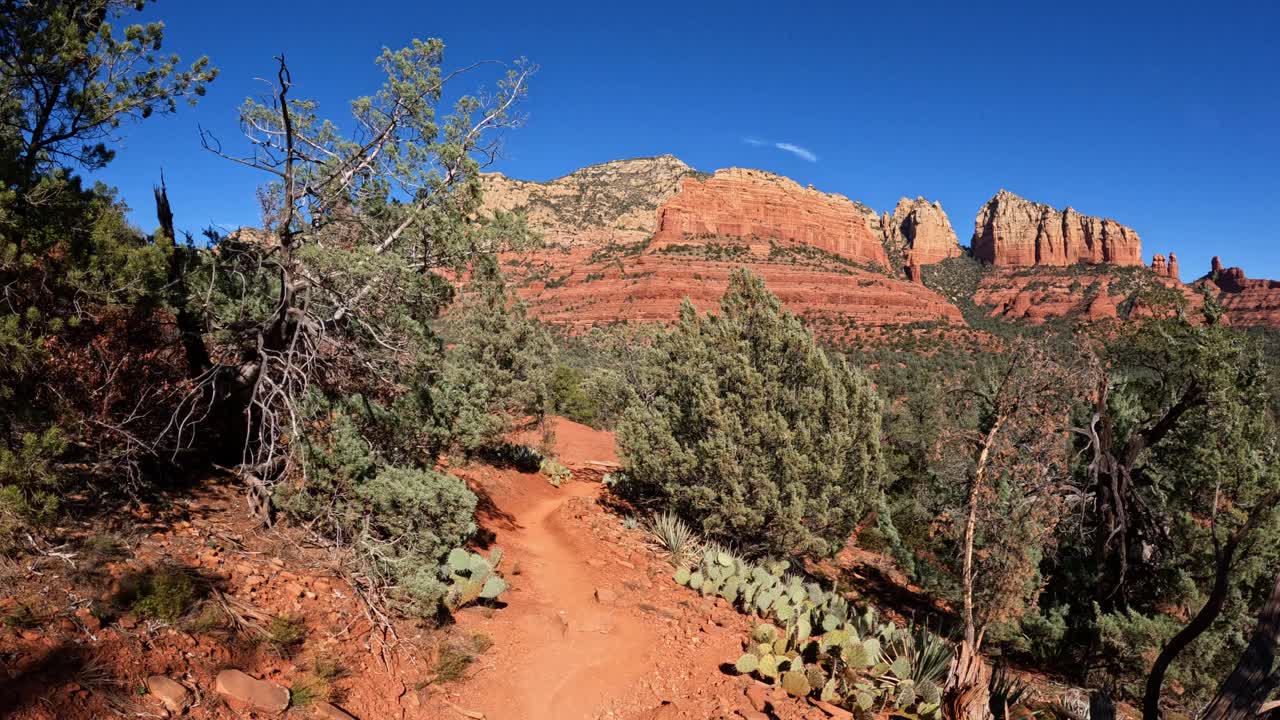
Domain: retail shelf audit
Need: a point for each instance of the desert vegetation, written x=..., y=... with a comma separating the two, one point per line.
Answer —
x=1091, y=503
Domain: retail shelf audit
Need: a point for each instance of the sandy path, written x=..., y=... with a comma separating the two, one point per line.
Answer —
x=565, y=654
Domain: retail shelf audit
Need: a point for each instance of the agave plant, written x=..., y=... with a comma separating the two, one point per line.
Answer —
x=673, y=535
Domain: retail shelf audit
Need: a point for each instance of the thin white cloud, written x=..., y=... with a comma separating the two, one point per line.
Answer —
x=802, y=153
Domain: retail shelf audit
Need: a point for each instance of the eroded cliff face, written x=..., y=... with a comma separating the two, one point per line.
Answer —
x=919, y=233
x=630, y=240
x=1245, y=300
x=760, y=207
x=610, y=202
x=1011, y=231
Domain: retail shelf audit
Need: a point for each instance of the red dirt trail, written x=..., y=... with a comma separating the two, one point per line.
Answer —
x=559, y=652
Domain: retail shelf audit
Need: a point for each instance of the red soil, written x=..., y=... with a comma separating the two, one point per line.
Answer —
x=592, y=627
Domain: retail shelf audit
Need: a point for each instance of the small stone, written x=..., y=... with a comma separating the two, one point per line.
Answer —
x=329, y=711
x=128, y=622
x=756, y=696
x=88, y=619
x=606, y=596
x=256, y=693
x=172, y=694
x=254, y=581
x=752, y=715
x=277, y=562
x=831, y=710
x=293, y=590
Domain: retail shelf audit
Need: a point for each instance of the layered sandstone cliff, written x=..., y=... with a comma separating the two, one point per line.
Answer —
x=630, y=240
x=1013, y=231
x=919, y=233
x=762, y=207
x=1245, y=300
x=1165, y=268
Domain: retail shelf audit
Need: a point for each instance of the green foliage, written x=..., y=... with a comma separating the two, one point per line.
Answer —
x=284, y=634
x=555, y=472
x=673, y=535
x=30, y=485
x=164, y=595
x=70, y=81
x=748, y=429
x=471, y=578
x=497, y=367
x=400, y=520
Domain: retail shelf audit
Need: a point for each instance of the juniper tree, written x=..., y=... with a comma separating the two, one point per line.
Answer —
x=342, y=284
x=752, y=432
x=84, y=336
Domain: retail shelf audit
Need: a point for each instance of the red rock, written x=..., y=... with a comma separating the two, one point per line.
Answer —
x=329, y=711
x=921, y=232
x=756, y=206
x=757, y=697
x=255, y=693
x=1165, y=269
x=1013, y=231
x=1244, y=300
x=88, y=619
x=171, y=693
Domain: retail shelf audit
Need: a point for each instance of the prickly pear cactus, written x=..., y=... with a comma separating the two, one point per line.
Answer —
x=796, y=683
x=471, y=578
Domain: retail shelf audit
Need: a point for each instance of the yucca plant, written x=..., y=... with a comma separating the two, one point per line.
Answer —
x=1006, y=692
x=673, y=535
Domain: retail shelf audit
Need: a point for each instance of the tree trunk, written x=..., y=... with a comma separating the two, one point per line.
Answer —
x=189, y=327
x=1254, y=678
x=1224, y=560
x=967, y=695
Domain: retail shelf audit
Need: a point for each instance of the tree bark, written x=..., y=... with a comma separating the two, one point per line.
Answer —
x=1254, y=678
x=967, y=695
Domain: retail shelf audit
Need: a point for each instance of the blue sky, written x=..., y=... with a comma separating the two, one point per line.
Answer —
x=1164, y=116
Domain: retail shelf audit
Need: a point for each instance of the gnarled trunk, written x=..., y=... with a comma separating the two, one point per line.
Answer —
x=1254, y=678
x=967, y=695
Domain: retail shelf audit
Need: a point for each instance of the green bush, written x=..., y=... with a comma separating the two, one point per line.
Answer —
x=401, y=521
x=29, y=484
x=752, y=433
x=164, y=595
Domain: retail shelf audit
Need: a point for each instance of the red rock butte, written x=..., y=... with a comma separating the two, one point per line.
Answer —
x=1247, y=301
x=921, y=232
x=761, y=206
x=1013, y=231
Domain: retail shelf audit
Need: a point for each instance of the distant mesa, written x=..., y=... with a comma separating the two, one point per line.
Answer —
x=1014, y=231
x=629, y=240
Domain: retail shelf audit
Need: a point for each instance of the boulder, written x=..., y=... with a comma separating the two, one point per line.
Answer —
x=172, y=694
